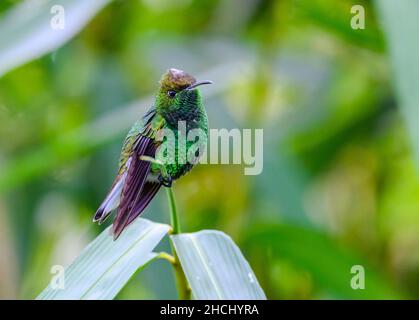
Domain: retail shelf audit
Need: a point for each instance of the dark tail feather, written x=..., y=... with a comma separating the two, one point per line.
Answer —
x=148, y=192
x=130, y=196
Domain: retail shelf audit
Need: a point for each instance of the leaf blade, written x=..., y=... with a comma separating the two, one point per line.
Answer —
x=105, y=266
x=215, y=268
x=399, y=22
x=26, y=32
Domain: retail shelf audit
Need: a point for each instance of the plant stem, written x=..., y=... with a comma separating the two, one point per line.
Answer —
x=181, y=282
x=167, y=257
x=174, y=219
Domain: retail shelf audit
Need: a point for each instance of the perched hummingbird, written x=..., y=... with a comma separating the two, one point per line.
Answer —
x=138, y=180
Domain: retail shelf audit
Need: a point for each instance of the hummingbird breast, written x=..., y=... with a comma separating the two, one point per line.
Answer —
x=190, y=116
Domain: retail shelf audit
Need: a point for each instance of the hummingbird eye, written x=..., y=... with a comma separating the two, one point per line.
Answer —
x=171, y=93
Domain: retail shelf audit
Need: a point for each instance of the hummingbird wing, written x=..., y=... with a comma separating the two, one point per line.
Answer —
x=132, y=191
x=138, y=190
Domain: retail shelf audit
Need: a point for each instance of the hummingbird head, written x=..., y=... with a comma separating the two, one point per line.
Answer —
x=178, y=93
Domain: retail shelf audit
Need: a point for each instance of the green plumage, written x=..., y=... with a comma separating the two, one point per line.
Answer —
x=186, y=106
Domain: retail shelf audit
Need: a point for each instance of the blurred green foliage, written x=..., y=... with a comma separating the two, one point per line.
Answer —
x=339, y=185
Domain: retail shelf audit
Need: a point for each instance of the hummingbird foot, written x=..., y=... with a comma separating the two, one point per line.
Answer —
x=166, y=181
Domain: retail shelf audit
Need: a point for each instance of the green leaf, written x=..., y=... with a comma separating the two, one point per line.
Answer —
x=215, y=268
x=105, y=265
x=400, y=22
x=328, y=263
x=26, y=32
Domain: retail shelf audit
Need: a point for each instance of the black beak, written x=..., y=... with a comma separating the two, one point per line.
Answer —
x=197, y=84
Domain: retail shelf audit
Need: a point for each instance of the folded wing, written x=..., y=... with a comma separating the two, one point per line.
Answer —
x=137, y=192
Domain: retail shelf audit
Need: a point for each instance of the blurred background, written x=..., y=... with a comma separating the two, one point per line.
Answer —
x=339, y=186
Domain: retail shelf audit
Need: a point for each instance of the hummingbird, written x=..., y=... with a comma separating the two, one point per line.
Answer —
x=178, y=99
